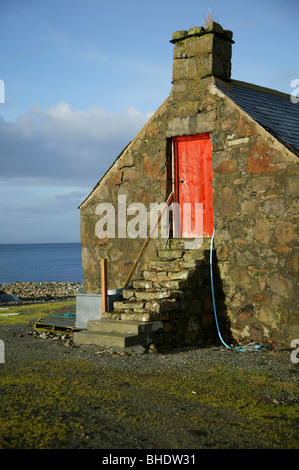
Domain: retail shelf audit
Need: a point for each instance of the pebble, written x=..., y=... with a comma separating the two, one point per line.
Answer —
x=42, y=291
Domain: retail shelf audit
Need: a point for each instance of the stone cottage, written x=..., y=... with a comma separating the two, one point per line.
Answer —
x=231, y=148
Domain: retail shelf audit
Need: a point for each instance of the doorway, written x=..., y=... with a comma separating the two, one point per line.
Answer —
x=192, y=184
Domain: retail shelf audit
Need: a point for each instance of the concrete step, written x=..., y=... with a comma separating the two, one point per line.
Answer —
x=123, y=327
x=106, y=340
x=109, y=332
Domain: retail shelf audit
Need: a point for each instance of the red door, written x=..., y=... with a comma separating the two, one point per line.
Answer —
x=193, y=183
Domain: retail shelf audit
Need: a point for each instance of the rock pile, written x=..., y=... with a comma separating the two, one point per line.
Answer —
x=41, y=291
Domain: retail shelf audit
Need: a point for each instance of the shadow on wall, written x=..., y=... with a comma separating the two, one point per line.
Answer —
x=220, y=311
x=193, y=321
x=204, y=296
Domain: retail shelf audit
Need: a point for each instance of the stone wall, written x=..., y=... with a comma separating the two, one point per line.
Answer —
x=255, y=181
x=139, y=174
x=256, y=184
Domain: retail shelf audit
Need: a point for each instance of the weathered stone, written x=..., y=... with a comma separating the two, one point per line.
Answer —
x=128, y=294
x=262, y=231
x=260, y=297
x=184, y=69
x=130, y=174
x=126, y=160
x=282, y=248
x=294, y=184
x=170, y=254
x=151, y=168
x=243, y=140
x=284, y=232
x=116, y=177
x=254, y=183
x=154, y=295
x=174, y=284
x=278, y=284
x=179, y=34
x=140, y=284
x=179, y=275
x=245, y=127
x=227, y=166
x=275, y=207
x=151, y=130
x=260, y=160
x=214, y=27
x=261, y=183
x=196, y=30
x=249, y=207
x=227, y=200
x=293, y=262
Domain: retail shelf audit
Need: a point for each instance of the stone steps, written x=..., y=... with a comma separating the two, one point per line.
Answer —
x=182, y=243
x=168, y=295
x=120, y=333
x=130, y=315
x=163, y=282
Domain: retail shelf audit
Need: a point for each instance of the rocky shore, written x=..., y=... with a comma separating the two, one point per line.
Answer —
x=38, y=291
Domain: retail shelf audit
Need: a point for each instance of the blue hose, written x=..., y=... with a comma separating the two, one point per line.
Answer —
x=214, y=304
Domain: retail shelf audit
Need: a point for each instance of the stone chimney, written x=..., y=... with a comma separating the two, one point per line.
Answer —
x=201, y=52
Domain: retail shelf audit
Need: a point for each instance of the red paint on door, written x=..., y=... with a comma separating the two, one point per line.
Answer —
x=193, y=180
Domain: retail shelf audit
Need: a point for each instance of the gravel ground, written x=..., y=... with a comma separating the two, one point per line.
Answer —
x=32, y=292
x=55, y=394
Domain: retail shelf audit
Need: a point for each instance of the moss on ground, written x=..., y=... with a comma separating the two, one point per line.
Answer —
x=30, y=313
x=74, y=403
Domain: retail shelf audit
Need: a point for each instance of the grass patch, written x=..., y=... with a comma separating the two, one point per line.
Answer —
x=53, y=404
x=41, y=404
x=33, y=312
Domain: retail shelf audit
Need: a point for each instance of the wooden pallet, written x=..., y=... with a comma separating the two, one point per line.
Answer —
x=58, y=324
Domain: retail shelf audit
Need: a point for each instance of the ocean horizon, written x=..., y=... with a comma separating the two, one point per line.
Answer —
x=40, y=262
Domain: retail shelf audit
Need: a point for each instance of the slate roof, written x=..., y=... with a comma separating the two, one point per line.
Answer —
x=272, y=110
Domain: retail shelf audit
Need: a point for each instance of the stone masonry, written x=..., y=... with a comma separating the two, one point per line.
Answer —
x=255, y=202
x=174, y=290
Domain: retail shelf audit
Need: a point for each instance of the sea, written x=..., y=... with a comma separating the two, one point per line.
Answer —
x=41, y=262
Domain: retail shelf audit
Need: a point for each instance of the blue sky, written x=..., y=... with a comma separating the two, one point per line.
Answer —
x=83, y=76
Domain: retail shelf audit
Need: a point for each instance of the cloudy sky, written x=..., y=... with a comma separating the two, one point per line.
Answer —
x=83, y=76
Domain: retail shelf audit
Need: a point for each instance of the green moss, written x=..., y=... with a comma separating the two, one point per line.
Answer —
x=41, y=406
x=30, y=313
x=53, y=404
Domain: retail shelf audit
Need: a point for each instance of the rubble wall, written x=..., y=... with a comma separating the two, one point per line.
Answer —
x=255, y=198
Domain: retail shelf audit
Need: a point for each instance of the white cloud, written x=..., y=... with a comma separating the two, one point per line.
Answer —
x=50, y=160
x=62, y=145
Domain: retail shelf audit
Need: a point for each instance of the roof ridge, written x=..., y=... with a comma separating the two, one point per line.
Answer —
x=251, y=86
